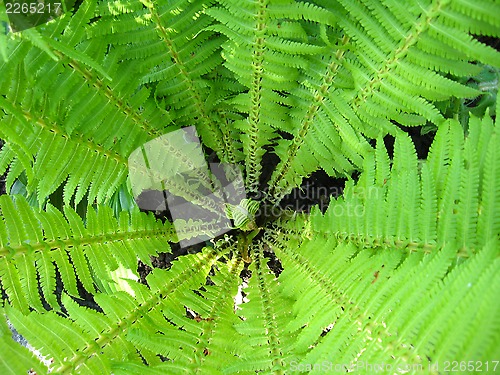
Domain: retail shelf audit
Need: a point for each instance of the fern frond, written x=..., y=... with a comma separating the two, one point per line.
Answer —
x=189, y=232
x=472, y=280
x=329, y=149
x=268, y=344
x=388, y=274
x=101, y=122
x=175, y=166
x=99, y=339
x=146, y=34
x=243, y=214
x=361, y=302
x=207, y=326
x=250, y=51
x=396, y=60
x=34, y=243
x=489, y=220
x=431, y=191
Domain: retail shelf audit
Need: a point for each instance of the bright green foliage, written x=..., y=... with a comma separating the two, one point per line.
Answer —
x=403, y=268
x=450, y=196
x=243, y=214
x=39, y=242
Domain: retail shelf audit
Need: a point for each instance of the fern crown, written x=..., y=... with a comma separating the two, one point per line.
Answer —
x=210, y=115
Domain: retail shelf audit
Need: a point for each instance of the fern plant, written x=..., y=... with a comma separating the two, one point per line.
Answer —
x=401, y=271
